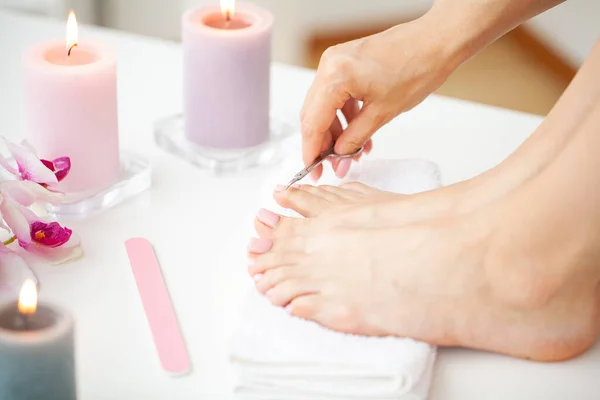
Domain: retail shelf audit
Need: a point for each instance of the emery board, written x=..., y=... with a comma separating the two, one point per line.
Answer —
x=160, y=314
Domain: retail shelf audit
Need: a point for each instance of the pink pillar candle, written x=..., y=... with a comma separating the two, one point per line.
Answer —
x=71, y=109
x=226, y=71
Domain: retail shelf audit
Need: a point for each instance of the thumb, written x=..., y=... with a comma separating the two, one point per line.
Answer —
x=359, y=130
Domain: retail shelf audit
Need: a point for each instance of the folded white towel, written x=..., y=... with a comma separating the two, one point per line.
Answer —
x=277, y=356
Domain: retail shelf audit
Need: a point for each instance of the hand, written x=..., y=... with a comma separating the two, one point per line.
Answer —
x=390, y=72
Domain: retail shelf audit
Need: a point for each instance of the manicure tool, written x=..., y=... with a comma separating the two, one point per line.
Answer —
x=322, y=157
x=161, y=317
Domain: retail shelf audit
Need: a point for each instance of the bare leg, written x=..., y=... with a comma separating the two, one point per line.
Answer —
x=519, y=275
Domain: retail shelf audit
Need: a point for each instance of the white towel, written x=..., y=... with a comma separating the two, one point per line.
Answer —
x=277, y=356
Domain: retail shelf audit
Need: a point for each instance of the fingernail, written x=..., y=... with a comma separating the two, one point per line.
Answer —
x=259, y=246
x=268, y=218
x=343, y=167
x=257, y=277
x=335, y=163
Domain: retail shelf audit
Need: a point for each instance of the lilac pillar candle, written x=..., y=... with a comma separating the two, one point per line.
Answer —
x=226, y=71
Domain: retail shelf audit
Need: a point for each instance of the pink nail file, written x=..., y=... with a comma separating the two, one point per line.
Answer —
x=163, y=323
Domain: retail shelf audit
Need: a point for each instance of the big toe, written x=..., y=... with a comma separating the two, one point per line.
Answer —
x=305, y=201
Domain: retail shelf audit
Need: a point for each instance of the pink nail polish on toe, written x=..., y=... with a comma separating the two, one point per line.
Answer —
x=259, y=246
x=268, y=218
x=257, y=277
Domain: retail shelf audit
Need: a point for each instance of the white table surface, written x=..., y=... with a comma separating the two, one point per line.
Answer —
x=199, y=226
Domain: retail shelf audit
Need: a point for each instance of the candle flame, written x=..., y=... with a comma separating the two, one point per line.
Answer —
x=228, y=8
x=72, y=32
x=28, y=298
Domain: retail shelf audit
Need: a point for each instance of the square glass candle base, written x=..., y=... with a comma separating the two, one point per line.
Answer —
x=135, y=178
x=169, y=135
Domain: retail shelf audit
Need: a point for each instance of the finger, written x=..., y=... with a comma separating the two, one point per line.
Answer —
x=318, y=115
x=360, y=130
x=343, y=167
x=336, y=131
x=350, y=110
x=368, y=146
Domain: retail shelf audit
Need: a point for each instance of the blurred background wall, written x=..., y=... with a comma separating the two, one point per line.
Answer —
x=526, y=70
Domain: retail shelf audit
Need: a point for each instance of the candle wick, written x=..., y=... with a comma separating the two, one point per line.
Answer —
x=71, y=48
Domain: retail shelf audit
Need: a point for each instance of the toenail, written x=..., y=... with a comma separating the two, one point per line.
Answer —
x=267, y=217
x=288, y=308
x=269, y=292
x=279, y=188
x=257, y=277
x=251, y=262
x=259, y=246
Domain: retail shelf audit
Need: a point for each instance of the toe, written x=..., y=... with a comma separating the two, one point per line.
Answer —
x=266, y=227
x=263, y=230
x=283, y=251
x=276, y=276
x=268, y=218
x=259, y=245
x=341, y=194
x=282, y=294
x=358, y=187
x=303, y=202
x=307, y=306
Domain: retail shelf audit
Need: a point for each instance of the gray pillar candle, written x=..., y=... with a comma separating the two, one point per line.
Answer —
x=37, y=360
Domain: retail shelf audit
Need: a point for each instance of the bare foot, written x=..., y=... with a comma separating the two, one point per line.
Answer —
x=438, y=281
x=369, y=281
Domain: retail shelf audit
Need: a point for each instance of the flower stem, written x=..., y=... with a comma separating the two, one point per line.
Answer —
x=9, y=241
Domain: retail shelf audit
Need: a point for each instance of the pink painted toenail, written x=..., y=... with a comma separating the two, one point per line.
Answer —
x=268, y=218
x=257, y=277
x=268, y=292
x=259, y=246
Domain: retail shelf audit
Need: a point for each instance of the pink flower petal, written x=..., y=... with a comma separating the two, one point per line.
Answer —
x=26, y=193
x=6, y=165
x=51, y=234
x=13, y=272
x=48, y=164
x=30, y=167
x=57, y=255
x=15, y=218
x=62, y=166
